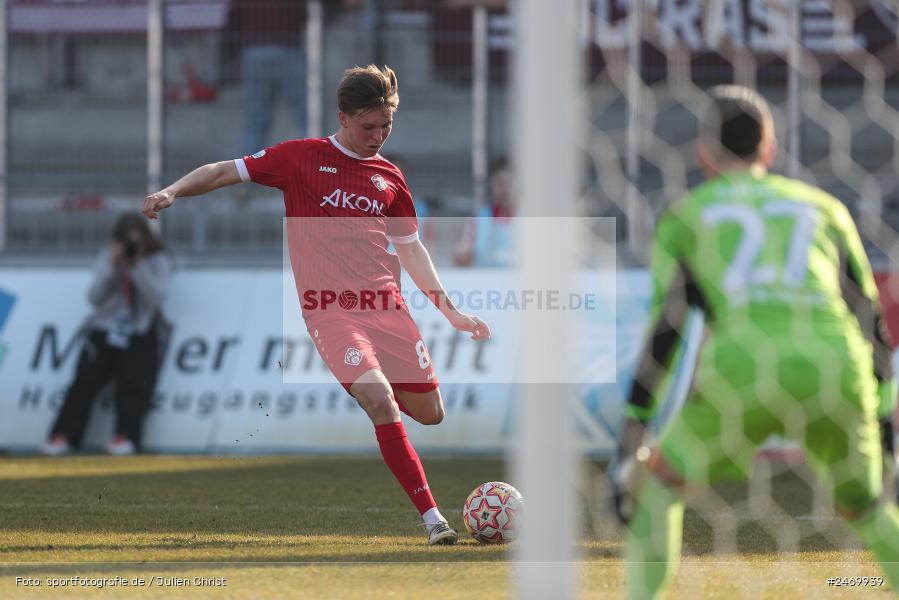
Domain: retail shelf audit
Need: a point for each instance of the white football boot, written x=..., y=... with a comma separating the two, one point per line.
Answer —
x=442, y=533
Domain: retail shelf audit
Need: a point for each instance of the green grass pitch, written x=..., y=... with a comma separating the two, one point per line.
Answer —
x=319, y=527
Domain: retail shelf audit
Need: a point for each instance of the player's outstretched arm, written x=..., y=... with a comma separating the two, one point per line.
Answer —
x=199, y=181
x=415, y=259
x=674, y=292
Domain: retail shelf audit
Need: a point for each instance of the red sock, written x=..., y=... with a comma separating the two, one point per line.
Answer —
x=403, y=461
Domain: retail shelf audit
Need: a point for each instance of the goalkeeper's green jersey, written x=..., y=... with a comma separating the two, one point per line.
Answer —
x=758, y=254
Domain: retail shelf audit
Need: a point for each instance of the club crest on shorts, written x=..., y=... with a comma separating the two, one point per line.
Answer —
x=379, y=182
x=353, y=357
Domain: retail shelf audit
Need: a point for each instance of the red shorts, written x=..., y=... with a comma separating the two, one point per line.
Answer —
x=352, y=343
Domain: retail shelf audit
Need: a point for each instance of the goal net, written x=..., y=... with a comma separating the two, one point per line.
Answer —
x=830, y=72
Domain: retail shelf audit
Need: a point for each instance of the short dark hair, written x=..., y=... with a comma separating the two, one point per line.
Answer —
x=737, y=119
x=366, y=88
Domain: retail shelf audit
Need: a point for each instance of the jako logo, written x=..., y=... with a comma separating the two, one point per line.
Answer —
x=340, y=199
x=6, y=303
x=324, y=169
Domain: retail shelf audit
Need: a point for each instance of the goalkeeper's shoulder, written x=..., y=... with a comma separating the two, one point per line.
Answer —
x=803, y=191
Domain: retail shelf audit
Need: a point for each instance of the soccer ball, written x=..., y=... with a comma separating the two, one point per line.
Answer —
x=492, y=513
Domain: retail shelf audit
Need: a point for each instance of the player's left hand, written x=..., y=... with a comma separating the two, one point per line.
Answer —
x=157, y=202
x=479, y=329
x=627, y=471
x=632, y=437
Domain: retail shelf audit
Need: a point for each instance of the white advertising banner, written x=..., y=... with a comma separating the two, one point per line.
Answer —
x=225, y=388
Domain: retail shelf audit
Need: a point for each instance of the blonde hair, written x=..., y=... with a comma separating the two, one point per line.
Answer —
x=367, y=88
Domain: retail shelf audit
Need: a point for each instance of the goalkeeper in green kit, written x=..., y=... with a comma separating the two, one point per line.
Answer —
x=796, y=346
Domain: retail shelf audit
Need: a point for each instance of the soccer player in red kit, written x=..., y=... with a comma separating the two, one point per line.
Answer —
x=346, y=279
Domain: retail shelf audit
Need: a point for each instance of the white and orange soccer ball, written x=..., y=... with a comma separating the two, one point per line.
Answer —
x=493, y=512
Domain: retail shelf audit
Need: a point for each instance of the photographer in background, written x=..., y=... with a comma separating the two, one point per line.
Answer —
x=487, y=240
x=124, y=338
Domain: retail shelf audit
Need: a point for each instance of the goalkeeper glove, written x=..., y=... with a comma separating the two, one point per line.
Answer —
x=628, y=470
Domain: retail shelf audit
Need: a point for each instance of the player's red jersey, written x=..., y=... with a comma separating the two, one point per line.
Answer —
x=344, y=256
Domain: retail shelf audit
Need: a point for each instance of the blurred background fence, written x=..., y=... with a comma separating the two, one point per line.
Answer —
x=93, y=123
x=105, y=99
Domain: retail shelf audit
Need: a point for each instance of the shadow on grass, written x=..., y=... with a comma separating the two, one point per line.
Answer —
x=275, y=507
x=303, y=496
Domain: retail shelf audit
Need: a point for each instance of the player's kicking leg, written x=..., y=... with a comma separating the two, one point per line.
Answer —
x=426, y=408
x=375, y=396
